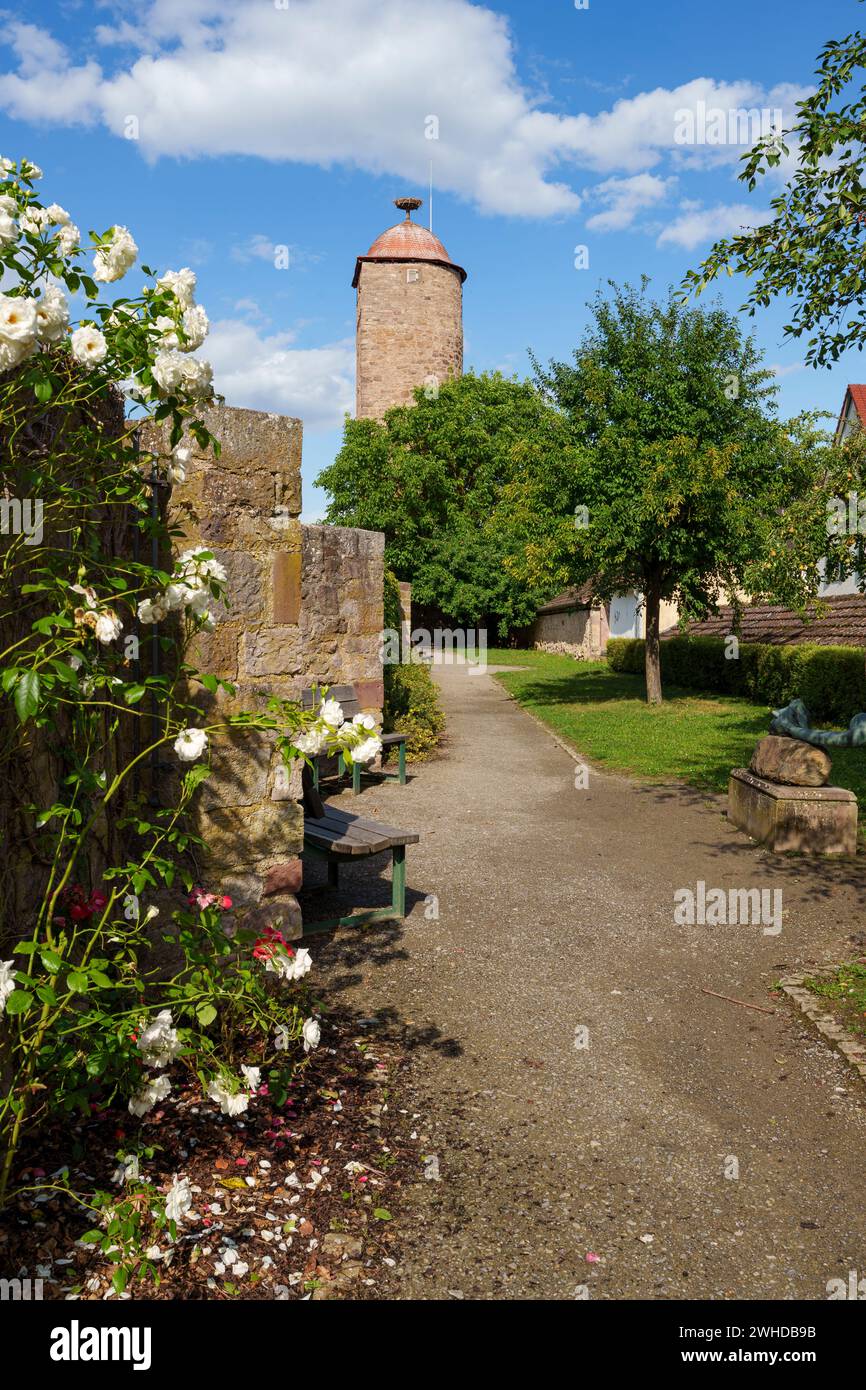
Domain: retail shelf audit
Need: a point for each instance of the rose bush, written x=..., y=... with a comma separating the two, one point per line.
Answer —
x=99, y=1003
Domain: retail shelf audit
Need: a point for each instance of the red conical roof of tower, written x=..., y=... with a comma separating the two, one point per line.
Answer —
x=408, y=241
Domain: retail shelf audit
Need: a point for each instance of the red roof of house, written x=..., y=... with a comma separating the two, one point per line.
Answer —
x=858, y=395
x=568, y=599
x=844, y=624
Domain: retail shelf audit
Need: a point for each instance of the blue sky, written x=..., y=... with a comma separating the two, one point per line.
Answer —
x=262, y=123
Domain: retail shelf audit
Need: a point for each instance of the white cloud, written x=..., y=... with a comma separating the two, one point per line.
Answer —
x=694, y=226
x=353, y=82
x=257, y=247
x=625, y=198
x=265, y=372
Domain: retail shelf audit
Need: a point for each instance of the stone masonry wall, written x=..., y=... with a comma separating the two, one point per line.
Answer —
x=574, y=632
x=304, y=608
x=244, y=507
x=409, y=328
x=342, y=578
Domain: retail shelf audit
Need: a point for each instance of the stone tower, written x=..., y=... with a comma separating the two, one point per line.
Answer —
x=409, y=322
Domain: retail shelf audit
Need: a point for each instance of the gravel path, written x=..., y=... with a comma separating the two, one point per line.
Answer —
x=556, y=914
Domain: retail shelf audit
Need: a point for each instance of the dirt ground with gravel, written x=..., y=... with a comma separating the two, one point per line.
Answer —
x=600, y=1126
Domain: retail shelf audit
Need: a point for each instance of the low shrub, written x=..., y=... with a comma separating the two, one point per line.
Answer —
x=412, y=707
x=831, y=681
x=411, y=699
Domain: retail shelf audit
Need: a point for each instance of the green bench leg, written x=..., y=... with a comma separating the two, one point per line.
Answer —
x=398, y=880
x=316, y=774
x=401, y=753
x=356, y=778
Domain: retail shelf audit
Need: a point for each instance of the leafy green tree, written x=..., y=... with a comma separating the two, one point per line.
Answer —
x=684, y=485
x=813, y=248
x=432, y=477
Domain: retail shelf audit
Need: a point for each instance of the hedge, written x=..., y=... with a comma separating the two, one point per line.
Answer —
x=830, y=680
x=412, y=703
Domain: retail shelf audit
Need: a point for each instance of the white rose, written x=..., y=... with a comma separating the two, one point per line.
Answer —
x=127, y=1169
x=152, y=610
x=230, y=1102
x=311, y=1033
x=281, y=1038
x=168, y=370
x=11, y=354
x=108, y=626
x=195, y=326
x=146, y=1097
x=176, y=473
x=57, y=215
x=7, y=981
x=89, y=346
x=68, y=238
x=18, y=320
x=8, y=230
x=332, y=713
x=131, y=907
x=364, y=721
x=190, y=744
x=52, y=315
x=113, y=259
x=34, y=220
x=181, y=283
x=253, y=1077
x=167, y=332
x=303, y=962
x=198, y=601
x=179, y=1199
x=196, y=569
x=30, y=170
x=197, y=377
x=313, y=742
x=176, y=596
x=364, y=753
x=7, y=166
x=159, y=1043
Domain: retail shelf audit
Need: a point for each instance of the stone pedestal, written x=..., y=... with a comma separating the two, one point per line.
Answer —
x=808, y=820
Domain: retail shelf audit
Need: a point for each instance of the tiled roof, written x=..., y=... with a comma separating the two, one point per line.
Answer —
x=857, y=396
x=843, y=625
x=408, y=241
x=569, y=598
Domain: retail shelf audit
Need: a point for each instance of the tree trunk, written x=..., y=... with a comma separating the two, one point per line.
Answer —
x=652, y=601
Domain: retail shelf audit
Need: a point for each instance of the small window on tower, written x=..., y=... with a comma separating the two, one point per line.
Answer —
x=412, y=274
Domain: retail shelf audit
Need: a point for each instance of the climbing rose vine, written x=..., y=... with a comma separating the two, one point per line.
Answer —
x=123, y=974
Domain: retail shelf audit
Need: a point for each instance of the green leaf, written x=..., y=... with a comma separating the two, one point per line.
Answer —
x=50, y=960
x=382, y=1214
x=77, y=982
x=43, y=390
x=205, y=1013
x=19, y=1001
x=27, y=696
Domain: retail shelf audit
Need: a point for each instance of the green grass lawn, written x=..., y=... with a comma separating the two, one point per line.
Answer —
x=692, y=738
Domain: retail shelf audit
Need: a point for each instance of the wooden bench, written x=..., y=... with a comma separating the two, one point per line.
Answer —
x=340, y=837
x=348, y=700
